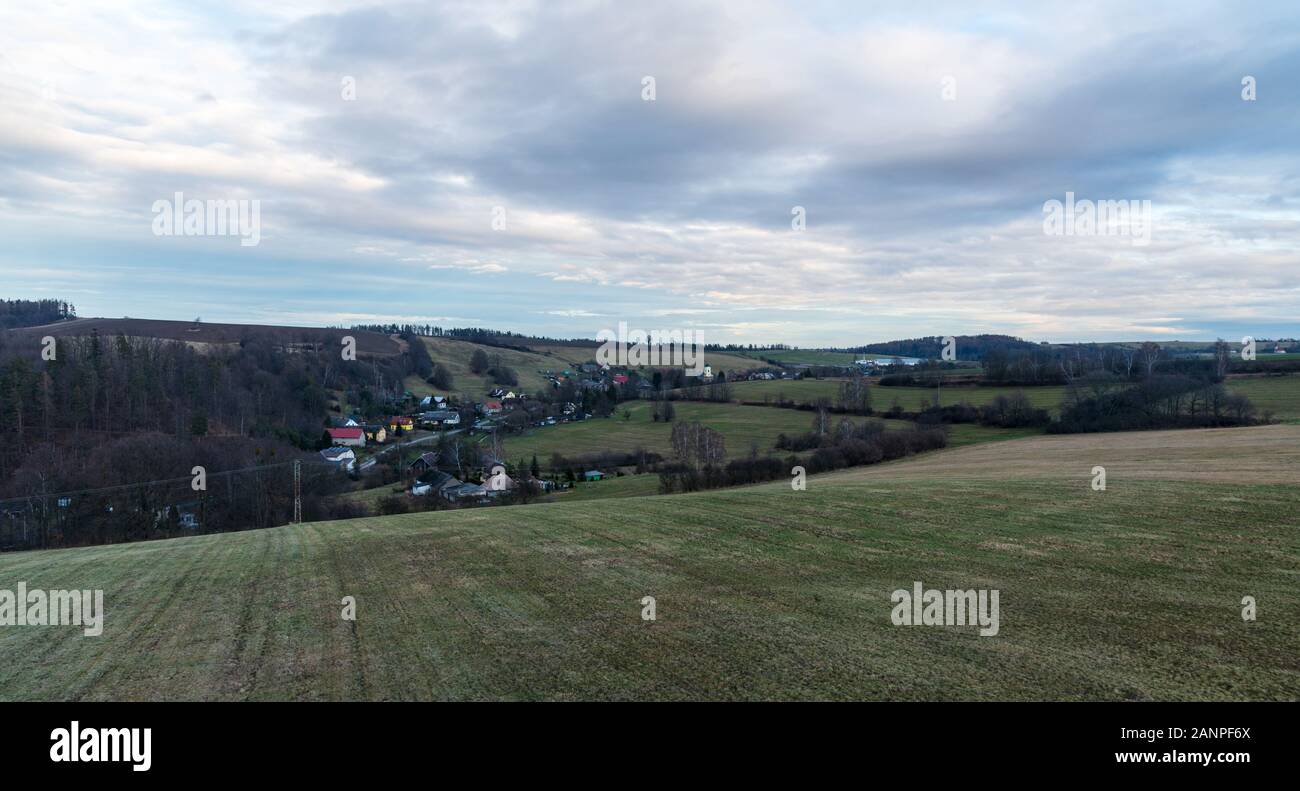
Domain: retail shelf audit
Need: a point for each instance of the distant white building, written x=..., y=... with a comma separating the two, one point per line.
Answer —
x=343, y=457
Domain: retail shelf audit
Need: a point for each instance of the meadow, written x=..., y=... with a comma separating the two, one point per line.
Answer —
x=910, y=399
x=761, y=592
x=743, y=427
x=1277, y=394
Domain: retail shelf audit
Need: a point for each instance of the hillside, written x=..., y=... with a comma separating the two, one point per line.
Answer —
x=1131, y=594
x=1279, y=395
x=742, y=426
x=214, y=334
x=543, y=356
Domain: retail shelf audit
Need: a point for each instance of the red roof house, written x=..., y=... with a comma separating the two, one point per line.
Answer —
x=348, y=436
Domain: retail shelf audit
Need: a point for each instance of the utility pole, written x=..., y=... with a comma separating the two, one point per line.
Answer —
x=297, y=491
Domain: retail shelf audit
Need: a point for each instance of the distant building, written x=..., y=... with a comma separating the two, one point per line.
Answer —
x=348, y=437
x=593, y=475
x=437, y=483
x=465, y=491
x=345, y=458
x=425, y=463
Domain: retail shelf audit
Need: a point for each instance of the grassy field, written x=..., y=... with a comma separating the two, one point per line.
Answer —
x=1279, y=394
x=883, y=397
x=740, y=426
x=808, y=356
x=455, y=354
x=1258, y=454
x=761, y=592
x=960, y=434
x=721, y=361
x=626, y=486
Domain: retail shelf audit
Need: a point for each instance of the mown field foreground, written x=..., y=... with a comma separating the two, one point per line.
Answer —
x=762, y=593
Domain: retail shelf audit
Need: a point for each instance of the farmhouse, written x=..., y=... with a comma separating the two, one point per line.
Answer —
x=401, y=422
x=375, y=432
x=347, y=437
x=491, y=407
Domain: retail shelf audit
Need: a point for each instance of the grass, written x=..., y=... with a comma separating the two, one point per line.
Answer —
x=809, y=356
x=1278, y=394
x=456, y=354
x=960, y=434
x=626, y=486
x=762, y=592
x=740, y=426
x=882, y=398
x=794, y=389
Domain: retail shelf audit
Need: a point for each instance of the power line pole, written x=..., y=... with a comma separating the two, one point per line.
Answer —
x=297, y=492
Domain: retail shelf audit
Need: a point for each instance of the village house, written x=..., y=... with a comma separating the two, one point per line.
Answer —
x=495, y=486
x=426, y=462
x=439, y=418
x=375, y=432
x=347, y=437
x=436, y=483
x=465, y=491
x=491, y=407
x=344, y=458
x=402, y=422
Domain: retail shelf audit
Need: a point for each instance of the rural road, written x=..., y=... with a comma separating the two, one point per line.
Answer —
x=370, y=462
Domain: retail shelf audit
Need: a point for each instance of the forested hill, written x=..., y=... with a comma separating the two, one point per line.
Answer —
x=968, y=347
x=33, y=312
x=102, y=390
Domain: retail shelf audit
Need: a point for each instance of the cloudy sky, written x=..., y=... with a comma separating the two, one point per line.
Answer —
x=921, y=140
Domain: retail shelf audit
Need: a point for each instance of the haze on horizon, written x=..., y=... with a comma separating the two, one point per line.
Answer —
x=922, y=143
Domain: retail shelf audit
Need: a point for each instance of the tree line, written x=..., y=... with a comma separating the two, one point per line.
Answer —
x=34, y=312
